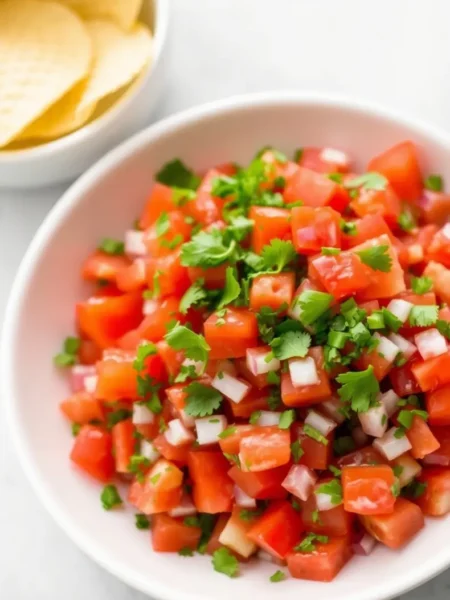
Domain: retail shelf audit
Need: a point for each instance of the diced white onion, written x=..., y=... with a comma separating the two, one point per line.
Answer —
x=400, y=308
x=404, y=345
x=360, y=437
x=410, y=469
x=323, y=501
x=300, y=481
x=148, y=450
x=390, y=446
x=134, y=243
x=386, y=348
x=177, y=434
x=319, y=422
x=257, y=363
x=332, y=408
x=235, y=538
x=332, y=155
x=149, y=307
x=430, y=343
x=415, y=254
x=142, y=415
x=295, y=310
x=445, y=231
x=199, y=365
x=231, y=387
x=209, y=428
x=303, y=372
x=267, y=418
x=365, y=545
x=184, y=509
x=389, y=400
x=242, y=499
x=374, y=421
x=188, y=420
x=90, y=383
x=79, y=376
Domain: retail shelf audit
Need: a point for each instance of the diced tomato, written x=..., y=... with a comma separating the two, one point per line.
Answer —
x=435, y=499
x=133, y=277
x=258, y=381
x=213, y=277
x=378, y=202
x=322, y=160
x=334, y=522
x=397, y=528
x=438, y=406
x=314, y=189
x=177, y=454
x=403, y=381
x=363, y=456
x=204, y=208
x=255, y=400
x=439, y=248
x=368, y=490
x=92, y=452
x=420, y=437
x=311, y=394
x=265, y=448
x=269, y=223
x=315, y=454
x=231, y=443
x=167, y=275
x=172, y=535
x=276, y=168
x=213, y=543
x=441, y=279
x=102, y=266
x=123, y=444
x=159, y=201
x=324, y=563
x=314, y=228
x=435, y=207
x=400, y=165
x=367, y=228
x=341, y=275
x=278, y=530
x=441, y=456
x=105, y=319
x=212, y=487
x=231, y=338
x=89, y=353
x=274, y=291
x=381, y=366
x=262, y=485
x=161, y=239
x=160, y=312
x=432, y=373
x=82, y=408
x=171, y=358
x=117, y=378
x=162, y=488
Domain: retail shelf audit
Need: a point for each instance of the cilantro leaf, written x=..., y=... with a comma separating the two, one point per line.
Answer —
x=286, y=419
x=225, y=562
x=142, y=352
x=348, y=227
x=314, y=434
x=359, y=388
x=185, y=551
x=162, y=224
x=114, y=417
x=231, y=290
x=176, y=174
x=112, y=247
x=326, y=251
x=333, y=489
x=423, y=316
x=181, y=196
x=291, y=344
x=434, y=183
x=406, y=221
x=239, y=227
x=296, y=451
x=277, y=255
x=267, y=318
x=313, y=304
x=391, y=321
x=368, y=181
x=202, y=400
x=193, y=344
x=343, y=445
x=421, y=285
x=414, y=489
x=110, y=497
x=192, y=296
x=377, y=258
x=308, y=543
x=142, y=521
x=443, y=327
x=277, y=576
x=206, y=249
x=405, y=417
x=69, y=356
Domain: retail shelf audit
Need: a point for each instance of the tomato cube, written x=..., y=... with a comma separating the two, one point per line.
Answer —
x=307, y=394
x=368, y=489
x=269, y=223
x=92, y=452
x=324, y=563
x=231, y=338
x=261, y=485
x=172, y=535
x=212, y=488
x=314, y=228
x=435, y=499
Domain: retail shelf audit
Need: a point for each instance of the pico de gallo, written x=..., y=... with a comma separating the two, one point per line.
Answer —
x=262, y=369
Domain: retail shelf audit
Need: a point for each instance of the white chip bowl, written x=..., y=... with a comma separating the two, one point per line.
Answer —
x=65, y=158
x=40, y=314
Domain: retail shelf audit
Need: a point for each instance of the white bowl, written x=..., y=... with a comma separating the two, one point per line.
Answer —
x=64, y=159
x=40, y=314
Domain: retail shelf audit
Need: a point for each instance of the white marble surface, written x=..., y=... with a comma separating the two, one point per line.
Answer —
x=393, y=52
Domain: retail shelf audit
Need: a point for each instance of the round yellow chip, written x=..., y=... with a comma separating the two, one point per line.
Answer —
x=44, y=51
x=118, y=58
x=123, y=12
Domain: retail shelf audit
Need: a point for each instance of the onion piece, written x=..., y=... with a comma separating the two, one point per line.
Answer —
x=300, y=481
x=257, y=363
x=235, y=538
x=336, y=157
x=134, y=243
x=410, y=469
x=233, y=388
x=149, y=307
x=400, y=308
x=389, y=400
x=430, y=343
x=188, y=420
x=78, y=376
x=415, y=254
x=148, y=450
x=365, y=545
x=332, y=408
x=386, y=348
x=323, y=501
x=242, y=499
x=177, y=434
x=209, y=428
x=360, y=437
x=267, y=418
x=374, y=421
x=199, y=365
x=303, y=372
x=142, y=415
x=392, y=447
x=184, y=509
x=405, y=346
x=319, y=422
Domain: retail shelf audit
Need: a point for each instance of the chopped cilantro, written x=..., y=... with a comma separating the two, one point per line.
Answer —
x=333, y=489
x=423, y=316
x=397, y=470
x=267, y=319
x=114, y=417
x=348, y=227
x=110, y=497
x=421, y=285
x=315, y=517
x=111, y=246
x=308, y=543
x=277, y=576
x=359, y=388
x=142, y=521
x=143, y=351
x=314, y=434
x=68, y=357
x=368, y=181
x=376, y=320
x=274, y=398
x=254, y=417
x=406, y=417
x=313, y=304
x=443, y=327
x=291, y=344
x=202, y=400
x=195, y=294
x=377, y=258
x=249, y=515
x=395, y=489
x=414, y=489
x=185, y=551
x=343, y=445
x=406, y=221
x=224, y=562
x=75, y=429
x=176, y=174
x=286, y=419
x=182, y=196
x=298, y=153
x=234, y=458
x=231, y=290
x=391, y=321
x=227, y=432
x=330, y=251
x=273, y=378
x=434, y=183
x=277, y=255
x=336, y=472
x=162, y=224
x=336, y=177
x=206, y=249
x=193, y=344
x=207, y=523
x=296, y=451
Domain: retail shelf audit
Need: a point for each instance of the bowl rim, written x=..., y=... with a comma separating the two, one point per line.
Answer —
x=95, y=128
x=61, y=211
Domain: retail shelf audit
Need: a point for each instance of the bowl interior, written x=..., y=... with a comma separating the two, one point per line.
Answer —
x=40, y=314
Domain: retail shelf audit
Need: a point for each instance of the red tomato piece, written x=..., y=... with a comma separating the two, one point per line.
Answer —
x=314, y=189
x=212, y=487
x=341, y=275
x=92, y=452
x=255, y=400
x=123, y=444
x=274, y=291
x=205, y=208
x=439, y=248
x=323, y=564
x=432, y=373
x=231, y=443
x=177, y=454
x=363, y=456
x=82, y=408
x=102, y=266
x=381, y=366
x=315, y=454
x=258, y=381
x=159, y=201
x=171, y=535
x=161, y=490
x=269, y=223
x=105, y=319
x=89, y=353
x=368, y=490
x=435, y=500
x=434, y=207
x=334, y=522
x=172, y=359
x=314, y=228
x=441, y=456
x=323, y=161
x=367, y=228
x=232, y=338
x=397, y=528
x=117, y=378
x=161, y=239
x=400, y=165
x=167, y=275
x=403, y=381
x=160, y=312
x=311, y=394
x=133, y=277
x=261, y=485
x=213, y=277
x=441, y=279
x=265, y=448
x=421, y=438
x=378, y=202
x=438, y=406
x=278, y=530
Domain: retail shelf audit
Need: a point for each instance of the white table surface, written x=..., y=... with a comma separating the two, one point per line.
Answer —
x=396, y=52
